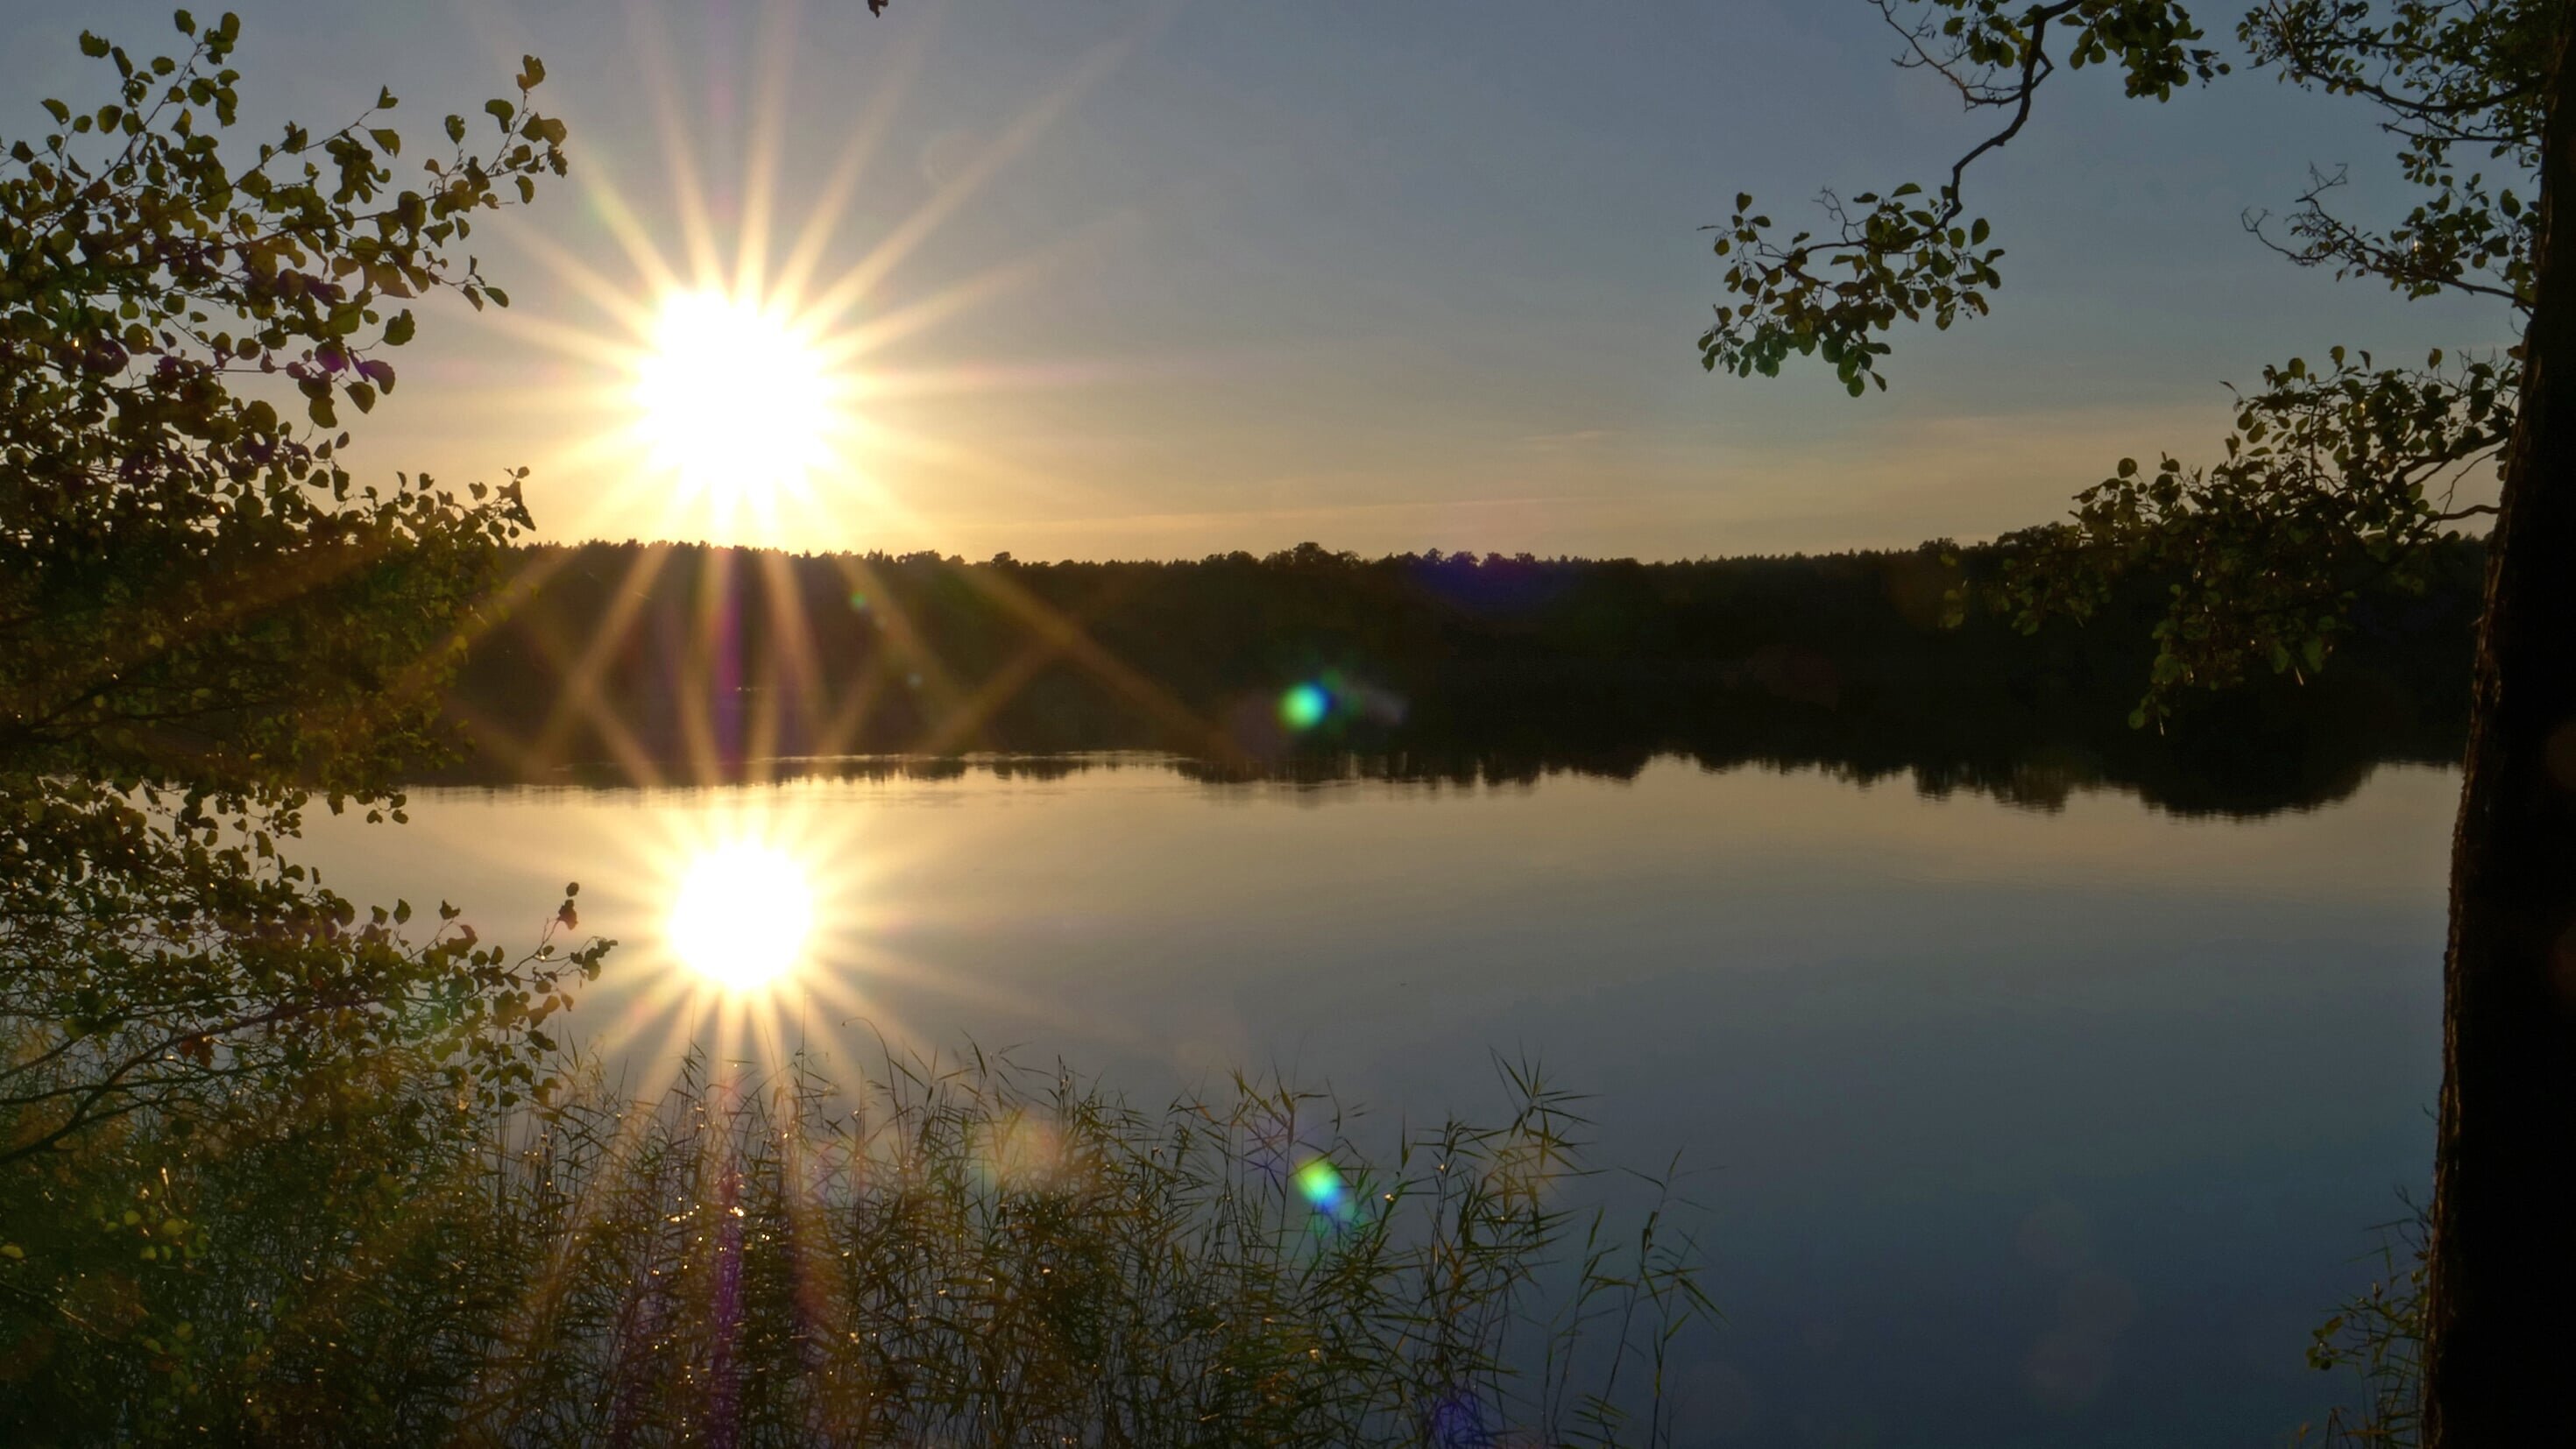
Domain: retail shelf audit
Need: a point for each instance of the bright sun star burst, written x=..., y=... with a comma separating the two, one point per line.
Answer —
x=743, y=915
x=733, y=400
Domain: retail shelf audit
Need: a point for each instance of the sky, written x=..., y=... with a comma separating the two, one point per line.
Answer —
x=1162, y=278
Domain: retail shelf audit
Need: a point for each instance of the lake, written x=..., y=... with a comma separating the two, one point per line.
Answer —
x=2011, y=1125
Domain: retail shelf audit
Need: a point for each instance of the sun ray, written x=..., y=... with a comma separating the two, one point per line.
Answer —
x=661, y=79
x=841, y=733
x=854, y=342
x=620, y=302
x=1075, y=643
x=427, y=674
x=904, y=648
x=881, y=383
x=581, y=344
x=823, y=1297
x=641, y=766
x=832, y=201
x=545, y=1287
x=966, y=722
x=967, y=991
x=702, y=667
x=965, y=461
x=795, y=665
x=490, y=739
x=855, y=284
x=773, y=79
x=959, y=458
x=630, y=233
x=577, y=693
x=577, y=700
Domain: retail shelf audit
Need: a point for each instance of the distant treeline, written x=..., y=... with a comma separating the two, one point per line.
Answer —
x=685, y=662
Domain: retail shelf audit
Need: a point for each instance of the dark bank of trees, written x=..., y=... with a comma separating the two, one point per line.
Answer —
x=684, y=662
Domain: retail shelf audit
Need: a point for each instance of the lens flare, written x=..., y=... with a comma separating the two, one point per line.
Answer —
x=731, y=399
x=742, y=916
x=1321, y=1185
x=1304, y=706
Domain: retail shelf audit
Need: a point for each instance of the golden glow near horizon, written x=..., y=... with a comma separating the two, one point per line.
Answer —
x=733, y=402
x=722, y=366
x=744, y=915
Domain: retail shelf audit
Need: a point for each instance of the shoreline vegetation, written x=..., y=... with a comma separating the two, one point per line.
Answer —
x=964, y=1252
x=682, y=663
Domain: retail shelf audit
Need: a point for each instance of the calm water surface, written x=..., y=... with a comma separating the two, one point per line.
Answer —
x=2013, y=1127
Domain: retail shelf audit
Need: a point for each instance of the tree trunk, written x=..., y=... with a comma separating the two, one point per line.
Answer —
x=2500, y=1330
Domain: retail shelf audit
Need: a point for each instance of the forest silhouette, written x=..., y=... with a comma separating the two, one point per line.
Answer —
x=685, y=663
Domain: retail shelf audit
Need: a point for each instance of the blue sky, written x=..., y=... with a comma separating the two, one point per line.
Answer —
x=1392, y=275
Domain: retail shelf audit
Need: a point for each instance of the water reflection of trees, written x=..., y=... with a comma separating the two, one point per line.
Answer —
x=628, y=664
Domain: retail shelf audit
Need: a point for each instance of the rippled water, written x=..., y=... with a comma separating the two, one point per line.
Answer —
x=2013, y=1127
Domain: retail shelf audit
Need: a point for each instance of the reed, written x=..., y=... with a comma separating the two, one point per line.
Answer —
x=2376, y=1339
x=954, y=1252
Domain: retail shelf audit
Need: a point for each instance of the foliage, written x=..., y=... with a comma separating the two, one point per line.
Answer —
x=2378, y=1336
x=1911, y=254
x=2447, y=76
x=963, y=1254
x=2333, y=476
x=188, y=587
x=2336, y=481
x=204, y=619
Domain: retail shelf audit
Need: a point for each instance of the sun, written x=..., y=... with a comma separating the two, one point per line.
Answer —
x=743, y=915
x=744, y=379
x=734, y=401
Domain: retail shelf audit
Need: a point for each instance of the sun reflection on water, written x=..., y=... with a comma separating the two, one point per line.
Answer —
x=760, y=927
x=743, y=916
x=764, y=925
